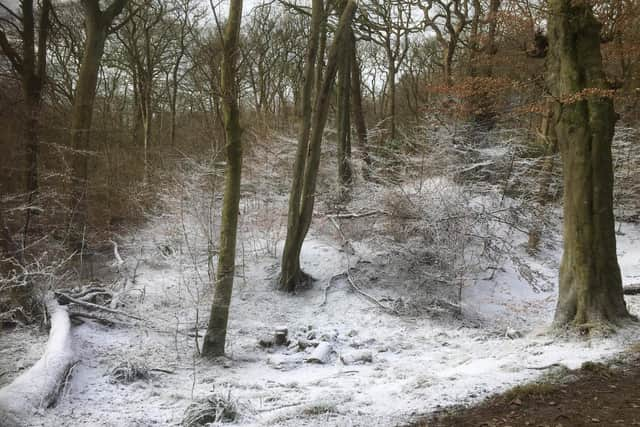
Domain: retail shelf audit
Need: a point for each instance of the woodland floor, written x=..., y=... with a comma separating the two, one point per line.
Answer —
x=595, y=395
x=434, y=342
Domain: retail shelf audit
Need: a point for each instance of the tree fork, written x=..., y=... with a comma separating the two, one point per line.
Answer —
x=290, y=269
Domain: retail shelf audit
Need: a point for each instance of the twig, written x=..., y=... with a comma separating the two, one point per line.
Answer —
x=541, y=368
x=329, y=284
x=369, y=297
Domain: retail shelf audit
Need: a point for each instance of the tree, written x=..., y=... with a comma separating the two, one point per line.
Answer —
x=389, y=24
x=29, y=28
x=343, y=114
x=291, y=275
x=97, y=25
x=146, y=40
x=590, y=289
x=214, y=339
x=302, y=195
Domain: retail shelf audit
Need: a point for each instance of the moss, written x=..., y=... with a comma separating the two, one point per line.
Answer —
x=525, y=391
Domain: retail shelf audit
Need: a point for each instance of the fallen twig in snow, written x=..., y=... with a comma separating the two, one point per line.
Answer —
x=541, y=368
x=329, y=284
x=349, y=215
x=40, y=386
x=367, y=296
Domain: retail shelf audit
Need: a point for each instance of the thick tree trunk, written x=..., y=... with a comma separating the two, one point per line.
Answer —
x=291, y=274
x=214, y=339
x=97, y=24
x=39, y=386
x=590, y=289
x=96, y=34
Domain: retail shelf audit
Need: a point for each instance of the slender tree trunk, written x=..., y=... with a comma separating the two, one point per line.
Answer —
x=546, y=138
x=344, y=116
x=358, y=112
x=391, y=82
x=590, y=289
x=214, y=339
x=291, y=274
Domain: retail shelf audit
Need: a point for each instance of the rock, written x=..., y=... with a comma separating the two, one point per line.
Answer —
x=358, y=356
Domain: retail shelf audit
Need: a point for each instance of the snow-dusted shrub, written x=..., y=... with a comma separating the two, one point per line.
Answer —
x=220, y=407
x=129, y=371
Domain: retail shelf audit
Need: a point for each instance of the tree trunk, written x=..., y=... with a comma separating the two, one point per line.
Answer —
x=214, y=339
x=358, y=112
x=291, y=274
x=82, y=113
x=590, y=288
x=547, y=138
x=344, y=116
x=391, y=82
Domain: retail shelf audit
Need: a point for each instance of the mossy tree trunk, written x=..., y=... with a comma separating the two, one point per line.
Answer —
x=97, y=23
x=590, y=288
x=302, y=196
x=215, y=337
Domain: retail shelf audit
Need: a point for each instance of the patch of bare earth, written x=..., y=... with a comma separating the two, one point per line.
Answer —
x=595, y=395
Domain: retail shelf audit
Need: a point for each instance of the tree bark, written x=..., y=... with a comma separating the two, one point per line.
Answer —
x=344, y=115
x=590, y=288
x=215, y=337
x=291, y=275
x=358, y=112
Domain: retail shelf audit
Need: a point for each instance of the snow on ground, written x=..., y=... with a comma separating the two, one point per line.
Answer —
x=427, y=357
x=419, y=362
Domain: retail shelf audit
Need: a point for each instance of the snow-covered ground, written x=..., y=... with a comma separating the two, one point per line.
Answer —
x=419, y=362
x=431, y=355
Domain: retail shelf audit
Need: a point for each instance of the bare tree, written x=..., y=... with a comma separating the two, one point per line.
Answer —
x=214, y=339
x=97, y=25
x=23, y=40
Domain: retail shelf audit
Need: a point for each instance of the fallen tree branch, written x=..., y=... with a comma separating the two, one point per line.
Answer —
x=40, y=386
x=350, y=215
x=64, y=298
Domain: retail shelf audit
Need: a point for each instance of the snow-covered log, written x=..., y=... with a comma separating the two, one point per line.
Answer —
x=321, y=353
x=39, y=386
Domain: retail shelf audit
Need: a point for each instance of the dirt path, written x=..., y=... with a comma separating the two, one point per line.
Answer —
x=595, y=395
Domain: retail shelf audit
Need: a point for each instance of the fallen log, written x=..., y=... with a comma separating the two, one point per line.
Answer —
x=40, y=386
x=321, y=353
